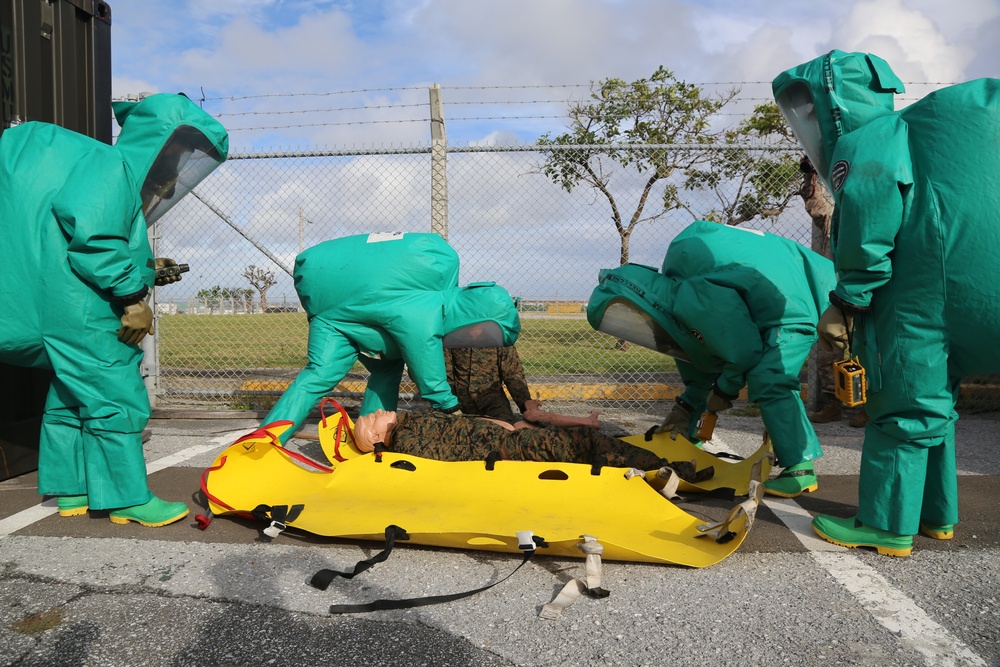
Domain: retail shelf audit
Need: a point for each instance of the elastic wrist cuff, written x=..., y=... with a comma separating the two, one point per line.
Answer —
x=848, y=308
x=134, y=297
x=450, y=410
x=684, y=404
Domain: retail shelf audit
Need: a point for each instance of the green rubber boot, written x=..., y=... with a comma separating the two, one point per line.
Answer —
x=938, y=531
x=153, y=514
x=793, y=481
x=852, y=533
x=72, y=505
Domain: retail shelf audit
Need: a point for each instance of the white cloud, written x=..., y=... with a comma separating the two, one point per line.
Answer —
x=913, y=44
x=395, y=48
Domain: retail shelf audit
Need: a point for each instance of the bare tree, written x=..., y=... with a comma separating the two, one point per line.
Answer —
x=261, y=280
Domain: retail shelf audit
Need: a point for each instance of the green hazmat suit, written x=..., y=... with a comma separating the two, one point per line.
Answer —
x=389, y=300
x=915, y=238
x=76, y=252
x=735, y=307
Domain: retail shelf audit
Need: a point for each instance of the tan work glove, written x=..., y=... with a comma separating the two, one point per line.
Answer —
x=717, y=402
x=678, y=421
x=833, y=327
x=136, y=323
x=162, y=263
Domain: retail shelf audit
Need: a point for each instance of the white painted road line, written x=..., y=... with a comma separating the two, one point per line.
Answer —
x=181, y=456
x=887, y=605
x=27, y=517
x=48, y=507
x=799, y=521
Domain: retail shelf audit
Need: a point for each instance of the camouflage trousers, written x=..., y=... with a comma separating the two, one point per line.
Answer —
x=824, y=362
x=462, y=438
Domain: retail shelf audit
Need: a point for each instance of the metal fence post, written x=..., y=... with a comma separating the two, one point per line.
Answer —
x=439, y=165
x=150, y=365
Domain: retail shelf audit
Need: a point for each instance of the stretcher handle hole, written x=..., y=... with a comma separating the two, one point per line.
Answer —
x=553, y=474
x=403, y=465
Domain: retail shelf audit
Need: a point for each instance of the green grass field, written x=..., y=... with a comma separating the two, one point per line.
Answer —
x=548, y=346
x=203, y=344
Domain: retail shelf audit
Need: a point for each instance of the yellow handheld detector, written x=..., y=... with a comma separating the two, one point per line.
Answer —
x=850, y=385
x=706, y=426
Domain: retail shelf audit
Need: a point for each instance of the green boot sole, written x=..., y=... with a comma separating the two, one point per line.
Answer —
x=938, y=531
x=72, y=505
x=152, y=514
x=850, y=533
x=792, y=483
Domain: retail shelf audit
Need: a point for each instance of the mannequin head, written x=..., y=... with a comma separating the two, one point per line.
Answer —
x=374, y=427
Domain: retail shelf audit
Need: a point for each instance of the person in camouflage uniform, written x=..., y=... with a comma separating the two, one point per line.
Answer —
x=478, y=376
x=819, y=205
x=445, y=437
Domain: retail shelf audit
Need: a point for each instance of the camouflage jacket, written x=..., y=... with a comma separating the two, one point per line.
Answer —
x=478, y=376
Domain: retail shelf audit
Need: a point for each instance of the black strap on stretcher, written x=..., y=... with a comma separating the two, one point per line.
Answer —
x=323, y=578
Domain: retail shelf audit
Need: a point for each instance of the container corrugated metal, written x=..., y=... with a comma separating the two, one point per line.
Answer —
x=55, y=66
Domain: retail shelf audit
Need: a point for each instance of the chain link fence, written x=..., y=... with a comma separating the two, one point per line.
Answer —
x=231, y=334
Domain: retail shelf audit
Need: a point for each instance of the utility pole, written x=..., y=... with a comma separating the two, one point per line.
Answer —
x=302, y=233
x=302, y=226
x=439, y=166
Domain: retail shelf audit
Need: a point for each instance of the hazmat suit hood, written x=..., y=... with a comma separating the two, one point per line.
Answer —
x=169, y=145
x=831, y=96
x=634, y=302
x=480, y=315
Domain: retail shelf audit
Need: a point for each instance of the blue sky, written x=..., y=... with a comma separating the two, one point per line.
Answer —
x=285, y=55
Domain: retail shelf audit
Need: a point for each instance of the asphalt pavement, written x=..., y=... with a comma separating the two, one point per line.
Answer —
x=83, y=591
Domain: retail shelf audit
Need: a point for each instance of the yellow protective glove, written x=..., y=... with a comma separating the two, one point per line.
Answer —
x=136, y=323
x=833, y=327
x=163, y=263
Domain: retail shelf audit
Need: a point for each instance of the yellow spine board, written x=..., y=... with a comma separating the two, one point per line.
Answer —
x=734, y=475
x=464, y=505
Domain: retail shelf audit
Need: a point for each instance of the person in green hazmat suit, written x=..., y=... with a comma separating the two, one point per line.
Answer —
x=915, y=238
x=389, y=300
x=735, y=307
x=77, y=270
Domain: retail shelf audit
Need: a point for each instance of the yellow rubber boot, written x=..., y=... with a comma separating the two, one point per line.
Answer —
x=793, y=481
x=938, y=531
x=852, y=533
x=153, y=514
x=72, y=505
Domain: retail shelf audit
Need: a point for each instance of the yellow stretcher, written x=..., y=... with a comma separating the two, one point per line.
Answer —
x=729, y=474
x=476, y=504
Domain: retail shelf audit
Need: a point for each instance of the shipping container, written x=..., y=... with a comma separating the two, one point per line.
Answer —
x=55, y=66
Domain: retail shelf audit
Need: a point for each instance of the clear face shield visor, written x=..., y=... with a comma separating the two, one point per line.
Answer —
x=797, y=106
x=481, y=334
x=623, y=319
x=184, y=161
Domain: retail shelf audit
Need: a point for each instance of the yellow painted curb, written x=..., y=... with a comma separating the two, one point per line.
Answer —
x=554, y=391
